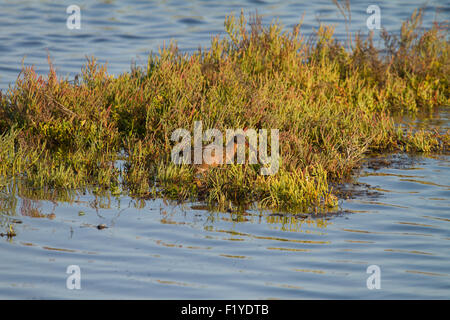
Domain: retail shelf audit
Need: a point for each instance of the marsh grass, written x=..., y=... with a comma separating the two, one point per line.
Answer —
x=332, y=106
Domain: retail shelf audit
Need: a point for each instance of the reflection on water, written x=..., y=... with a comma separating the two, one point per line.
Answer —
x=156, y=249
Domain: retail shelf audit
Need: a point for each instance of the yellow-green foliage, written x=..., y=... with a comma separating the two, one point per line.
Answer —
x=331, y=106
x=297, y=190
x=176, y=181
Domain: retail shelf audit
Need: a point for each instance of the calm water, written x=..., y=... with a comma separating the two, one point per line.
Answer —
x=398, y=218
x=153, y=249
x=125, y=32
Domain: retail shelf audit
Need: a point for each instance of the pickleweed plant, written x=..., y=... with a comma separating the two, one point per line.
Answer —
x=331, y=103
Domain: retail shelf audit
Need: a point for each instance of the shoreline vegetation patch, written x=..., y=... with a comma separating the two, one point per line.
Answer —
x=332, y=106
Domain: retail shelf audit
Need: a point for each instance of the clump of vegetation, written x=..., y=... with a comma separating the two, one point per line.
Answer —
x=11, y=233
x=331, y=106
